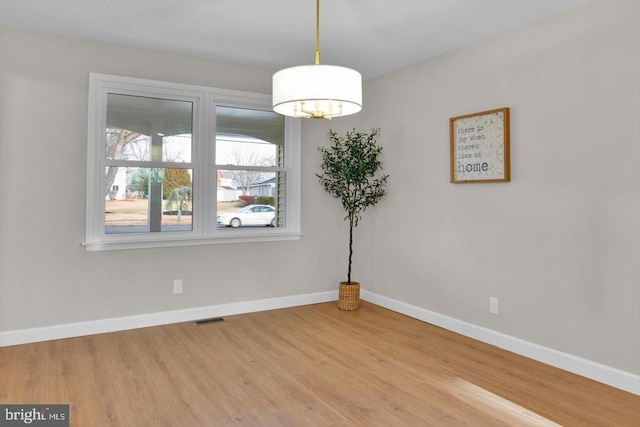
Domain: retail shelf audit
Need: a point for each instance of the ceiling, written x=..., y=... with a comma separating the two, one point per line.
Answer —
x=372, y=36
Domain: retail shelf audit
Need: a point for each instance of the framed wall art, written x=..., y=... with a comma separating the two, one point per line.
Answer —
x=480, y=147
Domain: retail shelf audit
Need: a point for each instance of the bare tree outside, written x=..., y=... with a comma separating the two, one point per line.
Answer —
x=246, y=156
x=117, y=140
x=122, y=144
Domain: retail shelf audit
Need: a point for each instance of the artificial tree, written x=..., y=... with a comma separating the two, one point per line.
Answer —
x=349, y=173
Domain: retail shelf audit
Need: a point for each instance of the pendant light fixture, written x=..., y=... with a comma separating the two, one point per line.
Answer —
x=317, y=91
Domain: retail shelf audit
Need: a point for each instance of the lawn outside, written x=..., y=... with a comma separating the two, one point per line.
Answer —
x=134, y=212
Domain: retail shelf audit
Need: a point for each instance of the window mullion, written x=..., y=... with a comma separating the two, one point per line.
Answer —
x=202, y=195
x=149, y=164
x=253, y=168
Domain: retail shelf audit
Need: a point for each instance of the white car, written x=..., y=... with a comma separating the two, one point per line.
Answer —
x=249, y=215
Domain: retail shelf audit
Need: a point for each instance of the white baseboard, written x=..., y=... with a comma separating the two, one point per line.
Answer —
x=586, y=368
x=47, y=333
x=577, y=365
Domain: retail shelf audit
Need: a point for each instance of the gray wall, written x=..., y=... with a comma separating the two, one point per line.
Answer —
x=559, y=245
x=46, y=277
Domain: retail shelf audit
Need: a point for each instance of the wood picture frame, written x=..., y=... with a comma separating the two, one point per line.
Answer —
x=480, y=148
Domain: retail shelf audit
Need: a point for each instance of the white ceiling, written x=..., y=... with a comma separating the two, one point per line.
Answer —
x=372, y=36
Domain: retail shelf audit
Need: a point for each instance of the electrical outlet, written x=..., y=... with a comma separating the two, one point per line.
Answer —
x=177, y=286
x=493, y=305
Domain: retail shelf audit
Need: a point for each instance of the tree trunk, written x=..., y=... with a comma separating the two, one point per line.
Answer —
x=114, y=151
x=350, y=248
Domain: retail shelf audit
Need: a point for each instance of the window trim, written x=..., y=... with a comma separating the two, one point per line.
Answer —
x=205, y=100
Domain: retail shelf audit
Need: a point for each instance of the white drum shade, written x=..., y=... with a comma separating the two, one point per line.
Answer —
x=318, y=91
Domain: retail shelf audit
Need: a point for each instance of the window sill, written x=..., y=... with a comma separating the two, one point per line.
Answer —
x=146, y=244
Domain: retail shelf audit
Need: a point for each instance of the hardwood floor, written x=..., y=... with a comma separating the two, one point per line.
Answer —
x=305, y=366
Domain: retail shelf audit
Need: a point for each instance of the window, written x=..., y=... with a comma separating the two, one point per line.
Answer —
x=172, y=164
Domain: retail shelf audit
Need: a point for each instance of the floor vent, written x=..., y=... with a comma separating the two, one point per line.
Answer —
x=210, y=320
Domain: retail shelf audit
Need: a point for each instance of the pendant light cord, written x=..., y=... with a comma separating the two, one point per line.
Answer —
x=317, y=56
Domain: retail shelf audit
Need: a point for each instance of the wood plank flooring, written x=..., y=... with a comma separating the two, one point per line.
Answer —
x=304, y=366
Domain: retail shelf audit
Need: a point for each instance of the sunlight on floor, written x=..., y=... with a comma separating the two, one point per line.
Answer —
x=501, y=408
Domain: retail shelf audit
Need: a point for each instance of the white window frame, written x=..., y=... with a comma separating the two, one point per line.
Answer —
x=204, y=227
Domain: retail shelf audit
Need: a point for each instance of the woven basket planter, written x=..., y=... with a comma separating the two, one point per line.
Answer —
x=349, y=296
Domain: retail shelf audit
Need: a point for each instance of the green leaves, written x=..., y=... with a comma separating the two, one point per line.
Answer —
x=349, y=169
